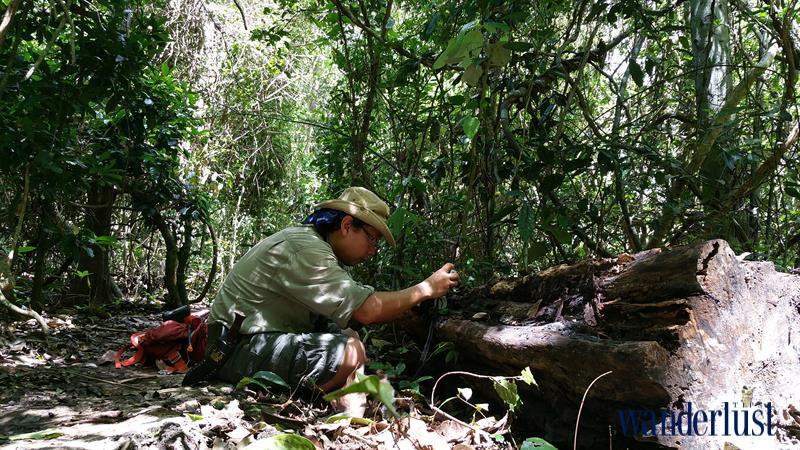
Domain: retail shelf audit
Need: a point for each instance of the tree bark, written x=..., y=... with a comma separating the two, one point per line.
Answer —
x=686, y=324
x=214, y=261
x=97, y=287
x=173, y=298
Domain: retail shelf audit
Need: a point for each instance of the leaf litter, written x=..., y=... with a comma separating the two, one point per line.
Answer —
x=63, y=391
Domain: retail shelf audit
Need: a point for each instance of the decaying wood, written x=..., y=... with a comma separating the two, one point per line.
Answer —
x=686, y=324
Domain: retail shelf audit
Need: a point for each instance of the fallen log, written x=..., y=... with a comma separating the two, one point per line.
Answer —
x=687, y=330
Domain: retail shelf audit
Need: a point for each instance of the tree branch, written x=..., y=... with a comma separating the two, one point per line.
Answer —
x=6, y=21
x=7, y=296
x=215, y=249
x=367, y=29
x=241, y=11
x=703, y=148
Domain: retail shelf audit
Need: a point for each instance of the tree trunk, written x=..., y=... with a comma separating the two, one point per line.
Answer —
x=173, y=298
x=710, y=25
x=97, y=286
x=687, y=324
x=184, y=257
x=39, y=267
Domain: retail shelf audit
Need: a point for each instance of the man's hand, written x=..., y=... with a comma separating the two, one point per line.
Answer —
x=440, y=282
x=385, y=306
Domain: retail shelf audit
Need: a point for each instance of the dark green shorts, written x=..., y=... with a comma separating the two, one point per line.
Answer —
x=307, y=358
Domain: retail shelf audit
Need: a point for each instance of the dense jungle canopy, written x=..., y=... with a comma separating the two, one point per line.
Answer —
x=146, y=145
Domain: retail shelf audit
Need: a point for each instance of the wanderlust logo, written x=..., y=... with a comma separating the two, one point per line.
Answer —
x=730, y=420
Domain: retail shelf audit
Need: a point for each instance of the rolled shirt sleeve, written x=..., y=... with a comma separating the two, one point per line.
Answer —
x=317, y=281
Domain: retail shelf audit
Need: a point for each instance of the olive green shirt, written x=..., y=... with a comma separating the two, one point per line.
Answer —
x=284, y=281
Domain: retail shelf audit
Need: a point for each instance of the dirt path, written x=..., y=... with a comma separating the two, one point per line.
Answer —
x=62, y=392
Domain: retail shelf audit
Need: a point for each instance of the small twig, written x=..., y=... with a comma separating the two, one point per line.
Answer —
x=580, y=409
x=363, y=440
x=114, y=383
x=143, y=377
x=241, y=11
x=46, y=50
x=283, y=418
x=120, y=330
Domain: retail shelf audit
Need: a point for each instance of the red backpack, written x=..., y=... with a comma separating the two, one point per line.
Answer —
x=177, y=345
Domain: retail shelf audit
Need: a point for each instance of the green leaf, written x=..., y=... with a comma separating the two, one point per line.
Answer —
x=470, y=126
x=416, y=184
x=396, y=222
x=469, y=26
x=373, y=386
x=50, y=433
x=270, y=377
x=507, y=390
x=105, y=240
x=525, y=222
x=460, y=47
x=535, y=443
x=561, y=235
x=636, y=73
x=26, y=249
x=494, y=27
x=380, y=343
x=499, y=56
x=527, y=376
x=194, y=417
x=518, y=46
x=337, y=417
x=284, y=441
x=472, y=75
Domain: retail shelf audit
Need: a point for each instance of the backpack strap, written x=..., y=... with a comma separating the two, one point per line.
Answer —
x=138, y=356
x=174, y=362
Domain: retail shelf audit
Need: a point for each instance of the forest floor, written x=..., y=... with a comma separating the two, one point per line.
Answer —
x=63, y=391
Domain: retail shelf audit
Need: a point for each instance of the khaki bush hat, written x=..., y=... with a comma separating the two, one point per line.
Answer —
x=364, y=205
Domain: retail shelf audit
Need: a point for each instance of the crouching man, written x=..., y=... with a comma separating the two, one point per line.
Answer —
x=287, y=281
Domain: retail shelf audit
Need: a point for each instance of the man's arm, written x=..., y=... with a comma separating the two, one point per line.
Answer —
x=386, y=306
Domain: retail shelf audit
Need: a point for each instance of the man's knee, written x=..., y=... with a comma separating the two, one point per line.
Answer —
x=355, y=355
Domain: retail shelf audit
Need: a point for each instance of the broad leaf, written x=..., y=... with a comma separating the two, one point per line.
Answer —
x=373, y=386
x=499, y=56
x=47, y=434
x=460, y=48
x=507, y=390
x=472, y=75
x=284, y=441
x=265, y=375
x=493, y=27
x=536, y=443
x=636, y=73
x=527, y=376
x=470, y=126
x=525, y=222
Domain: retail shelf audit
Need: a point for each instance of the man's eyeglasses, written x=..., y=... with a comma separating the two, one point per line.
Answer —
x=372, y=240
